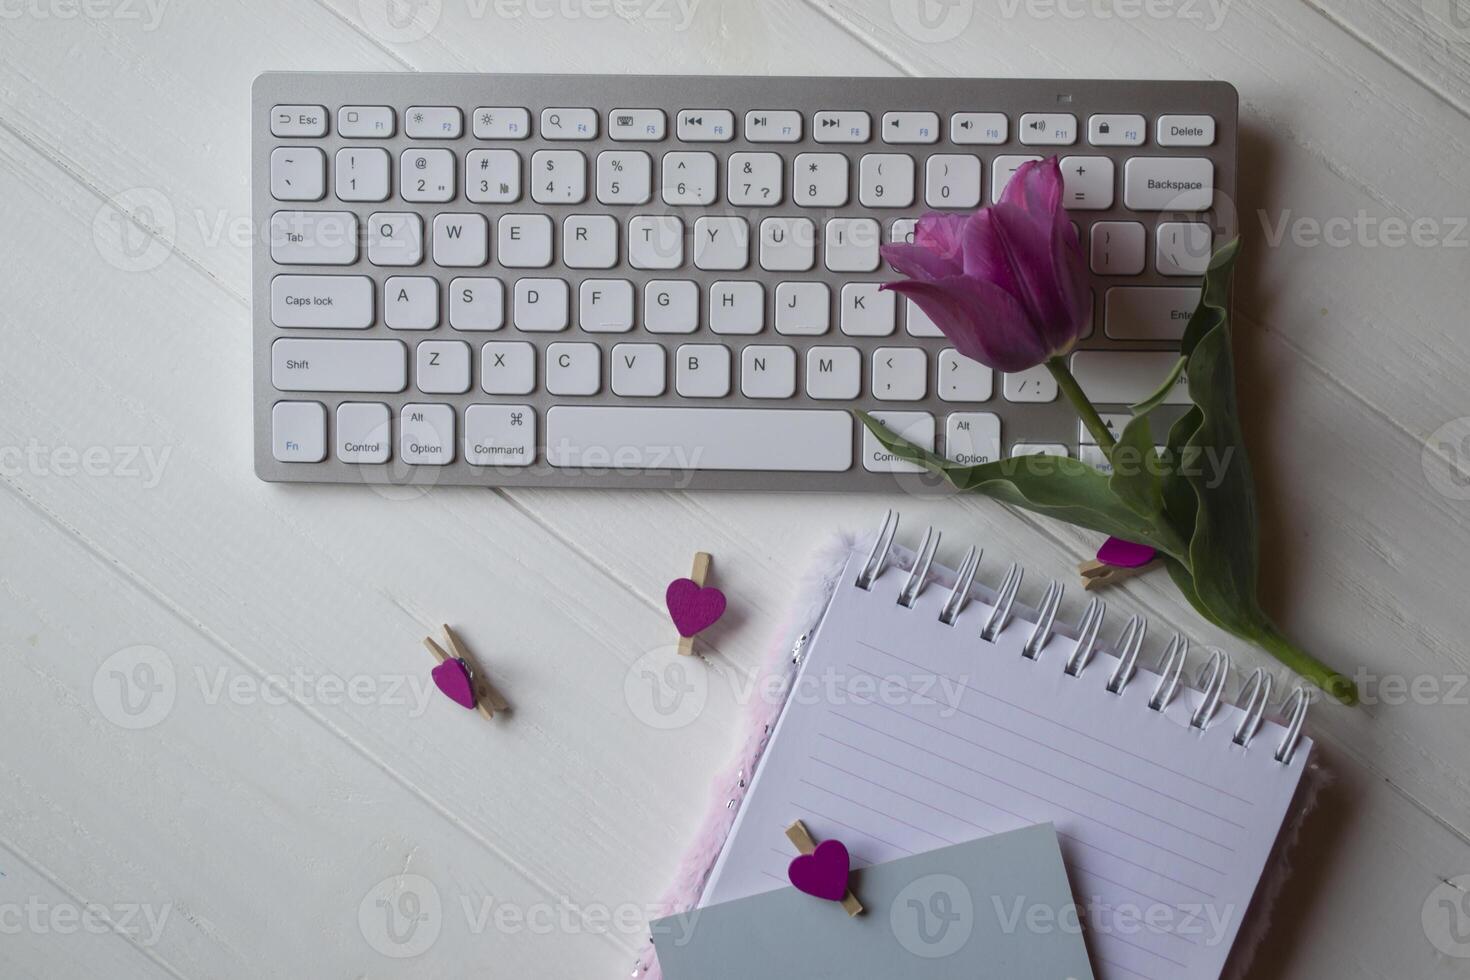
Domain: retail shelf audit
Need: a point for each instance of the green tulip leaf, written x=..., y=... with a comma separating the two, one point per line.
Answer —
x=1164, y=390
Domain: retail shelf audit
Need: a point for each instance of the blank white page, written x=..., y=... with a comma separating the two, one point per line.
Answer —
x=903, y=734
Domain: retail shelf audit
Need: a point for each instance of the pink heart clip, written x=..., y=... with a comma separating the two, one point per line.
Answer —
x=694, y=608
x=823, y=873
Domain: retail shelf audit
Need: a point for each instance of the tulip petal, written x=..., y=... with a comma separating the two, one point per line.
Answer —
x=918, y=262
x=982, y=320
x=1036, y=188
x=943, y=234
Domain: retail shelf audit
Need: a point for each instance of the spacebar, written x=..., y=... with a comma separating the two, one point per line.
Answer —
x=624, y=438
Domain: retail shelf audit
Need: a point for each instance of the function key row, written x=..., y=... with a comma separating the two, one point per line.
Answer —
x=760, y=125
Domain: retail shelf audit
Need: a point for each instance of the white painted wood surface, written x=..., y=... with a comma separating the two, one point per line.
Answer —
x=253, y=828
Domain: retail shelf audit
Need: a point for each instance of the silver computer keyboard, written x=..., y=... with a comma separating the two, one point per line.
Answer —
x=665, y=281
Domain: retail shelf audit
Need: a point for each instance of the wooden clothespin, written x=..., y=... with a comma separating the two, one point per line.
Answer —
x=458, y=677
x=1117, y=560
x=692, y=605
x=802, y=838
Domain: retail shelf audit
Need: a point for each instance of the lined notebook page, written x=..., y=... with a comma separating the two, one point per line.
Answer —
x=903, y=734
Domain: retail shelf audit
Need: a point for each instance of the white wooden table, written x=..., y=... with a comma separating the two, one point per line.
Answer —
x=240, y=824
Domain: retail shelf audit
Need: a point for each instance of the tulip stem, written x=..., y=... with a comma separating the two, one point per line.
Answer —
x=1105, y=441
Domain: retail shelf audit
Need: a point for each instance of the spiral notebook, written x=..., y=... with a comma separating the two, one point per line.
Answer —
x=929, y=709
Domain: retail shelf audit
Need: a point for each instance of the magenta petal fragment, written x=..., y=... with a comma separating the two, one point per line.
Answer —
x=1125, y=554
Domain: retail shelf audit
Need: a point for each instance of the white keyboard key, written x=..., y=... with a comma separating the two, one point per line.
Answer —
x=979, y=128
x=298, y=173
x=1094, y=456
x=1002, y=169
x=803, y=308
x=754, y=179
x=502, y=123
x=589, y=241
x=1149, y=312
x=433, y=122
x=410, y=303
x=541, y=305
x=299, y=432
x=573, y=369
x=1118, y=248
x=903, y=230
x=357, y=122
x=639, y=370
x=886, y=180
x=721, y=243
x=788, y=244
x=395, y=238
x=842, y=126
x=364, y=432
x=900, y=374
x=624, y=177
x=508, y=368
x=568, y=124
x=952, y=180
x=917, y=322
x=1032, y=385
x=773, y=126
x=972, y=438
x=868, y=311
x=1183, y=248
x=910, y=127
x=302, y=364
x=767, y=372
x=605, y=306
x=689, y=177
x=916, y=427
x=1039, y=449
x=426, y=434
x=1124, y=377
x=699, y=438
x=363, y=174
x=1179, y=130
x=1169, y=184
x=299, y=120
x=670, y=306
x=834, y=373
x=819, y=180
x=737, y=307
x=963, y=380
x=1087, y=183
x=313, y=238
x=637, y=125
x=476, y=304
x=443, y=367
x=706, y=125
x=322, y=301
x=1048, y=129
x=492, y=176
x=656, y=241
x=461, y=240
x=852, y=244
x=524, y=241
x=500, y=435
x=1114, y=422
x=1117, y=129
x=426, y=175
x=558, y=177
x=702, y=371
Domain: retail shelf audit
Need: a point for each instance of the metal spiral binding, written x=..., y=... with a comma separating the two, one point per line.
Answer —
x=1171, y=666
x=1087, y=629
x=1130, y=641
x=873, y=567
x=1005, y=599
x=1253, y=700
x=1211, y=682
x=919, y=574
x=1296, y=711
x=1046, y=616
x=961, y=591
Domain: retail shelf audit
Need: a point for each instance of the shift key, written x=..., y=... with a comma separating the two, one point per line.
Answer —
x=300, y=364
x=1126, y=377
